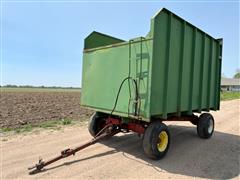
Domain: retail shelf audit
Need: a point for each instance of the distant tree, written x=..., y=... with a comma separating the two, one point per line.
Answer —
x=10, y=85
x=237, y=74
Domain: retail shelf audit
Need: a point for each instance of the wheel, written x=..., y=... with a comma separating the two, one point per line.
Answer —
x=96, y=123
x=194, y=120
x=205, y=125
x=156, y=140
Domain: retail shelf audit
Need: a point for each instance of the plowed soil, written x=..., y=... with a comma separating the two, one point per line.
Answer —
x=22, y=107
x=122, y=157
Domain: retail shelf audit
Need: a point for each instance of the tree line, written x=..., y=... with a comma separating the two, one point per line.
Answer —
x=29, y=86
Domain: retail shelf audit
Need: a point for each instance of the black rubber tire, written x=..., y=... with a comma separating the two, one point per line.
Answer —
x=151, y=139
x=96, y=123
x=194, y=122
x=205, y=126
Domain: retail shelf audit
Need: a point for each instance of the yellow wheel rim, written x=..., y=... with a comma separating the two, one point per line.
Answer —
x=163, y=141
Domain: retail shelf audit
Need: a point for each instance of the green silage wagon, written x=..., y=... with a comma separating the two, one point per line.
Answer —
x=172, y=73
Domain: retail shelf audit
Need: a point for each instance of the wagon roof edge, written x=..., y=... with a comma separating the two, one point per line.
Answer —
x=179, y=17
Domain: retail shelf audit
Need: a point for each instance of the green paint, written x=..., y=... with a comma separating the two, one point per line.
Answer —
x=175, y=65
x=96, y=39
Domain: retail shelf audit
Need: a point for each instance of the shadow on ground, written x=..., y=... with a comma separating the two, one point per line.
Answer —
x=214, y=158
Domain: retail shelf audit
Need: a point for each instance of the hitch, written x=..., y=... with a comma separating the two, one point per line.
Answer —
x=108, y=131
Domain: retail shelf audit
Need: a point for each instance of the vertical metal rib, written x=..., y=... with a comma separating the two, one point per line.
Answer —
x=140, y=76
x=201, y=74
x=165, y=94
x=192, y=72
x=180, y=71
x=129, y=75
x=219, y=55
x=209, y=75
x=216, y=76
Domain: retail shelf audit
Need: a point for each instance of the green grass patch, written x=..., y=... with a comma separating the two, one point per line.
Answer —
x=25, y=128
x=7, y=129
x=51, y=124
x=229, y=95
x=66, y=121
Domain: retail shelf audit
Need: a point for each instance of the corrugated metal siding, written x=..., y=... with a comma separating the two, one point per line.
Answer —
x=185, y=67
x=177, y=67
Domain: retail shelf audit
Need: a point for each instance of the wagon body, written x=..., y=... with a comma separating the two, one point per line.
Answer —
x=176, y=67
x=135, y=85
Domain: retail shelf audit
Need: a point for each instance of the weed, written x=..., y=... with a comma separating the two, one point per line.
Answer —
x=66, y=121
x=51, y=124
x=229, y=95
x=6, y=129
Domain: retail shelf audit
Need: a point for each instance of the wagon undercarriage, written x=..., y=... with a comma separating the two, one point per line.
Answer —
x=156, y=136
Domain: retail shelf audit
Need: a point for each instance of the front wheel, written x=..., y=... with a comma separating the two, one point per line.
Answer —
x=96, y=123
x=205, y=125
x=156, y=140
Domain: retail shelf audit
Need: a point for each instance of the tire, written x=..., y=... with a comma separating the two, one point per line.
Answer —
x=194, y=122
x=194, y=119
x=156, y=140
x=96, y=123
x=205, y=126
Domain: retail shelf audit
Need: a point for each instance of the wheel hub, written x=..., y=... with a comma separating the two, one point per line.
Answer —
x=210, y=126
x=163, y=141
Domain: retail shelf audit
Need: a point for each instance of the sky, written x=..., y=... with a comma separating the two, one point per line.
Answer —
x=42, y=42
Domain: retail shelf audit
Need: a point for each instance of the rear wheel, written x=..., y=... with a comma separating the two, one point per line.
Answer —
x=205, y=125
x=96, y=123
x=156, y=140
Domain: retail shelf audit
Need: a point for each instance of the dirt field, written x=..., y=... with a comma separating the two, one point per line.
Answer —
x=122, y=156
x=22, y=106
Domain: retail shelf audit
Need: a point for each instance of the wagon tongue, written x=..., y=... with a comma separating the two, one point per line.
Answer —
x=107, y=131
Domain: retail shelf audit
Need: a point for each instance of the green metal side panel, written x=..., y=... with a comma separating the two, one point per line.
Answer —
x=177, y=68
x=159, y=47
x=103, y=71
x=185, y=72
